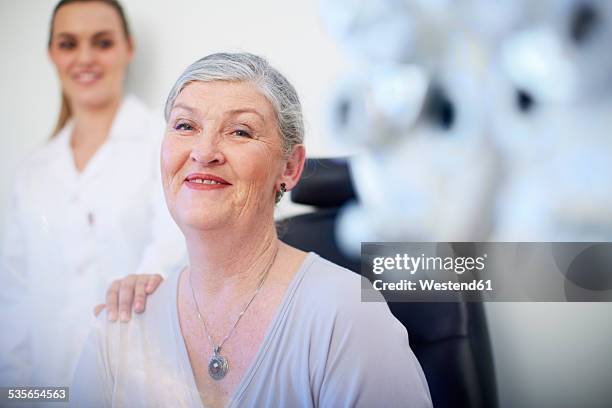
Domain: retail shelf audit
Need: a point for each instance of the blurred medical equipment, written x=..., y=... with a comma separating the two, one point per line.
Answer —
x=551, y=119
x=476, y=120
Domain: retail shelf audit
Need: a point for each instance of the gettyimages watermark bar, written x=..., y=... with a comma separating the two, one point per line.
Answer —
x=487, y=271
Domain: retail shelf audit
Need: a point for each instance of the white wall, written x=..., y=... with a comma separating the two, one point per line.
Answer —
x=546, y=354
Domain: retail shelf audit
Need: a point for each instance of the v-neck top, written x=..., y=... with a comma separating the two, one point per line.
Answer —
x=324, y=348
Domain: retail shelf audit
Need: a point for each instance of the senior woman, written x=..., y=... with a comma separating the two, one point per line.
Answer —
x=250, y=321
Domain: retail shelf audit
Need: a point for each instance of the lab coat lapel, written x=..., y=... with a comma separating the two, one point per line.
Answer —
x=63, y=159
x=120, y=129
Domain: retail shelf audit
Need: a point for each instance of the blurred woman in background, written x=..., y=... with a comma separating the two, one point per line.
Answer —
x=87, y=206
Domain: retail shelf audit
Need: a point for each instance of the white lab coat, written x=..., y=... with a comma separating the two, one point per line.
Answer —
x=70, y=234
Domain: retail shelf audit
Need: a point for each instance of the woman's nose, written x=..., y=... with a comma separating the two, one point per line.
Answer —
x=85, y=54
x=207, y=150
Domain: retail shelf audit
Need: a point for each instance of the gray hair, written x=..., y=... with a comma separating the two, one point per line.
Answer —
x=245, y=67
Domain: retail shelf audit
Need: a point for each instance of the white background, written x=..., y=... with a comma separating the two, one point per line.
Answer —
x=545, y=354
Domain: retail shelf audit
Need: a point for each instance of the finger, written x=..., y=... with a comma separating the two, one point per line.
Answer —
x=140, y=295
x=153, y=283
x=126, y=298
x=112, y=300
x=99, y=309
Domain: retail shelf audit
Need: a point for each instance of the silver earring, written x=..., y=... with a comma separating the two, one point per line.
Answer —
x=280, y=193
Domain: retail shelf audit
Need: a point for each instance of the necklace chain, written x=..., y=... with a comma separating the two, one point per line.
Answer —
x=217, y=349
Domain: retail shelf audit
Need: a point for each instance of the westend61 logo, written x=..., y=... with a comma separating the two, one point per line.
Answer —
x=412, y=264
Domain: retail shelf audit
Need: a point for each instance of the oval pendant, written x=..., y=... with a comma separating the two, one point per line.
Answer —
x=217, y=367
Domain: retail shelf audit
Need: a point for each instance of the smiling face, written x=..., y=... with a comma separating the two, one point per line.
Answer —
x=222, y=158
x=90, y=51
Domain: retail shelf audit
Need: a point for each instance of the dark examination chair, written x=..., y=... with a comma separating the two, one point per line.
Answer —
x=450, y=340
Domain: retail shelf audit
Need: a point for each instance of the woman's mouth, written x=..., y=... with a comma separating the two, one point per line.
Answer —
x=86, y=77
x=198, y=181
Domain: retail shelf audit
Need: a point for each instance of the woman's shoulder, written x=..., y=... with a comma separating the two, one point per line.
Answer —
x=161, y=304
x=126, y=355
x=323, y=273
x=329, y=310
x=48, y=150
x=334, y=290
x=36, y=162
x=158, y=311
x=352, y=337
x=146, y=334
x=326, y=277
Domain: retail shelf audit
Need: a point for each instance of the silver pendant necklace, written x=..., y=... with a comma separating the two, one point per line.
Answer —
x=218, y=365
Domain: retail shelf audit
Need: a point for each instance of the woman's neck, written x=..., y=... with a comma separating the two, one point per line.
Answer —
x=232, y=262
x=92, y=124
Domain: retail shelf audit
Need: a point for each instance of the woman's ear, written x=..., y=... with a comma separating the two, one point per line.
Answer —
x=51, y=55
x=293, y=167
x=131, y=46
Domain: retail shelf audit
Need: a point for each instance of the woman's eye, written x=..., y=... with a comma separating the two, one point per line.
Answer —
x=183, y=126
x=104, y=44
x=66, y=45
x=241, y=133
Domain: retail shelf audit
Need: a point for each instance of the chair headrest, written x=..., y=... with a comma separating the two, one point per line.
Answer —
x=324, y=183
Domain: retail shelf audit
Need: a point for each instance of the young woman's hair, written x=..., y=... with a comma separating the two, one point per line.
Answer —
x=65, y=112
